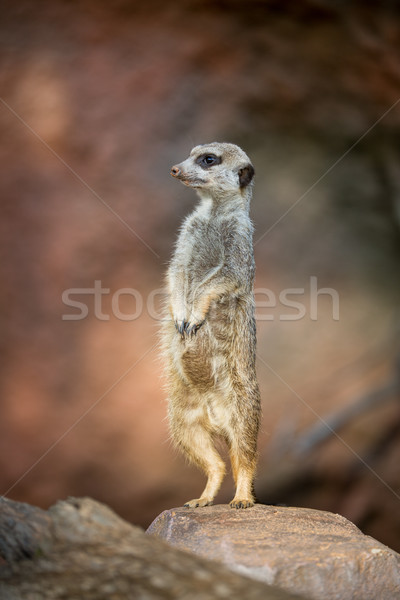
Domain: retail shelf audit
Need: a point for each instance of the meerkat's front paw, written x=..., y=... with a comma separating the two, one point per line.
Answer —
x=180, y=326
x=179, y=315
x=242, y=503
x=192, y=328
x=198, y=502
x=187, y=328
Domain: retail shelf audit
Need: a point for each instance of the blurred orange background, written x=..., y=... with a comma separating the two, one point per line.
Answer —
x=98, y=101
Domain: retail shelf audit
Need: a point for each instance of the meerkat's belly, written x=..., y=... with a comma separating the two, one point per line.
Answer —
x=203, y=360
x=212, y=411
x=197, y=359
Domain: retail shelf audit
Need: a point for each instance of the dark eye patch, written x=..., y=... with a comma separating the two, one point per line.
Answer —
x=208, y=160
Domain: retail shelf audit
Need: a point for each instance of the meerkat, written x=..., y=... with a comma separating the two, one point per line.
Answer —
x=209, y=339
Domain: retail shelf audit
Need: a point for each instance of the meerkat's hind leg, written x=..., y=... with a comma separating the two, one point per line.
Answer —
x=243, y=466
x=244, y=489
x=199, y=448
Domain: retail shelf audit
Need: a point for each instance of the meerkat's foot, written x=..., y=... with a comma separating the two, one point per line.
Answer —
x=241, y=503
x=198, y=502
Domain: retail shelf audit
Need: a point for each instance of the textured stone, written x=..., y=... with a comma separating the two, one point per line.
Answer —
x=315, y=553
x=81, y=549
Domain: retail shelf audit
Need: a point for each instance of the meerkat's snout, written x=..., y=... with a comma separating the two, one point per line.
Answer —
x=175, y=171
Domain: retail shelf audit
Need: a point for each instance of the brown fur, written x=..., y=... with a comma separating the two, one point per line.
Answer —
x=209, y=341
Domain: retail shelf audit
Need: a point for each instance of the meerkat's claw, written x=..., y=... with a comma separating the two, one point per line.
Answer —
x=241, y=503
x=185, y=328
x=181, y=327
x=193, y=329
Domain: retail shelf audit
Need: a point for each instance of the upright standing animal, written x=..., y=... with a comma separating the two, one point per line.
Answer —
x=209, y=342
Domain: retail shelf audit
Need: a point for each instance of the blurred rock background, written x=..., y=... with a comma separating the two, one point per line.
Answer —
x=99, y=99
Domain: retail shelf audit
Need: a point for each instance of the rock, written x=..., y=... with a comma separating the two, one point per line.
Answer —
x=23, y=528
x=310, y=552
x=80, y=548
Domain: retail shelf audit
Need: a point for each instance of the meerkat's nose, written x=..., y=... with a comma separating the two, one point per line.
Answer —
x=175, y=171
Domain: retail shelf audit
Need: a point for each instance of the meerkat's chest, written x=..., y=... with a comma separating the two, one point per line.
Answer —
x=200, y=243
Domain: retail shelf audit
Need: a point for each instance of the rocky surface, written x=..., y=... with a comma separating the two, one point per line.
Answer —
x=316, y=553
x=81, y=549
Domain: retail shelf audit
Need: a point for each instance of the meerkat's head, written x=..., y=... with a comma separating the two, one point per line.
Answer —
x=216, y=169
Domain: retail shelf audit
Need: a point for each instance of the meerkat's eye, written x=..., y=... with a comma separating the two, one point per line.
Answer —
x=208, y=160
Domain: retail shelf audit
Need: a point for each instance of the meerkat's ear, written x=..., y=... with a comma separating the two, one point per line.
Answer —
x=246, y=174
